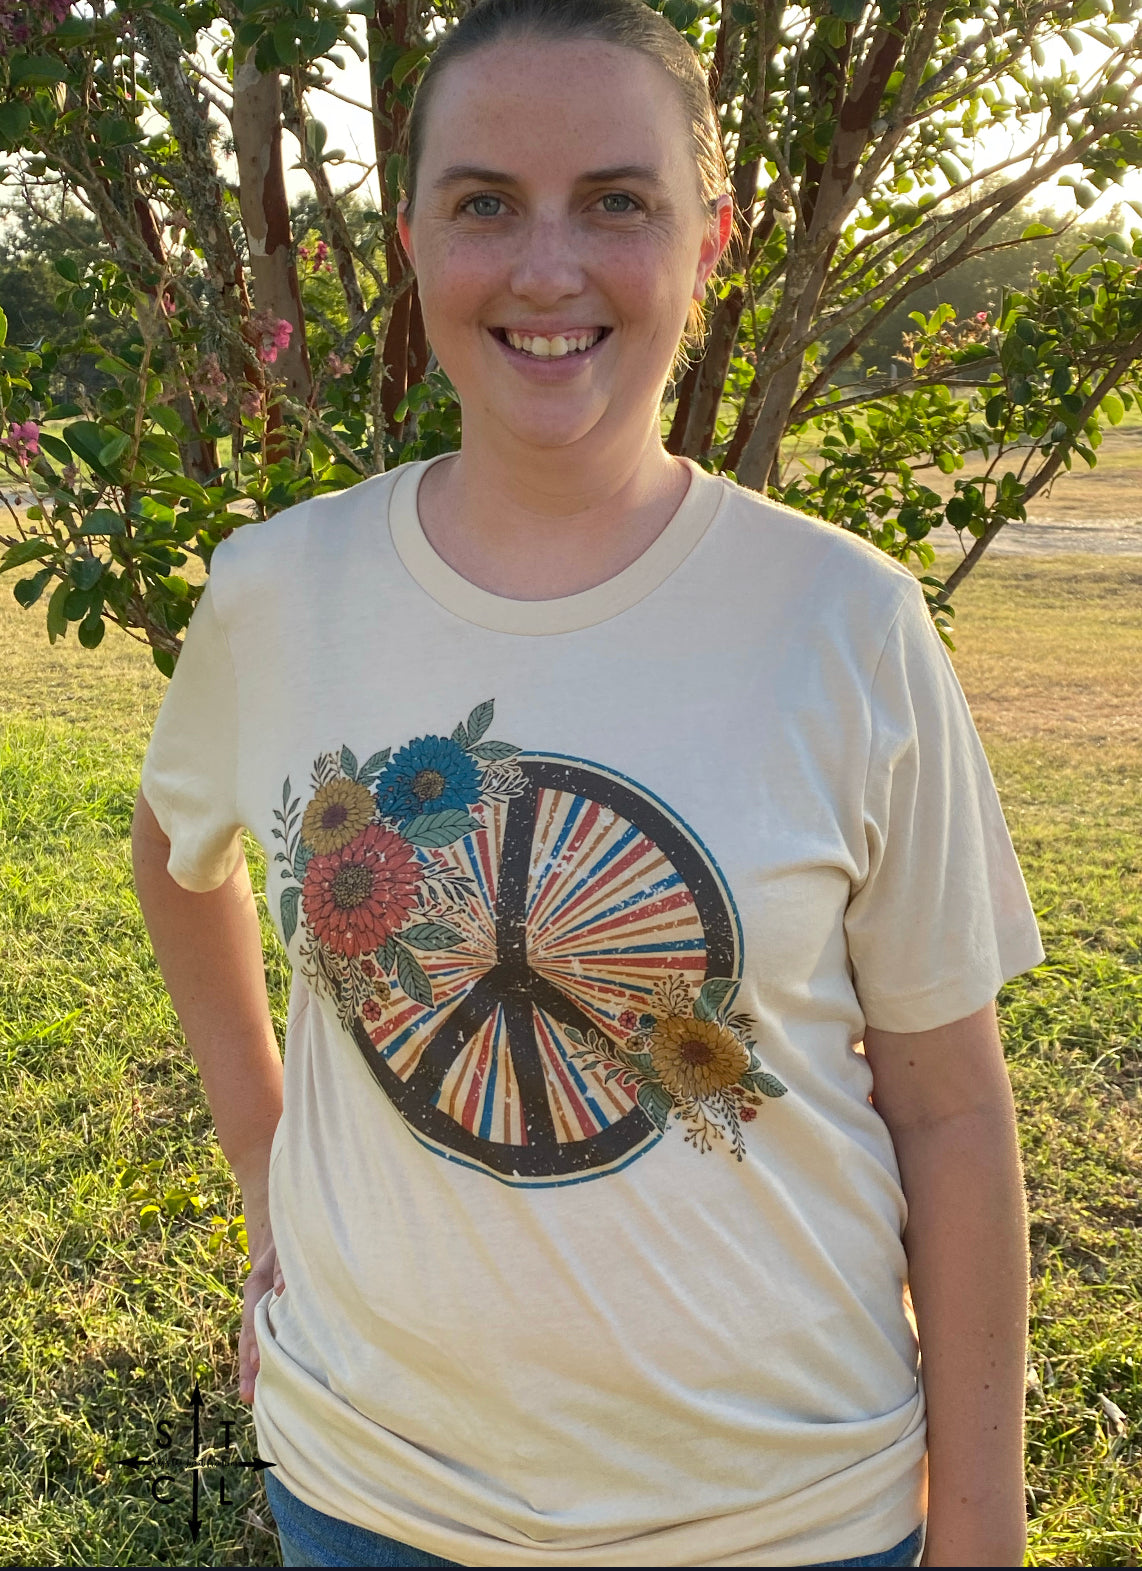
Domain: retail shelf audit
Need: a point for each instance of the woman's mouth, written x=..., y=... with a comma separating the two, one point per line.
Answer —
x=557, y=346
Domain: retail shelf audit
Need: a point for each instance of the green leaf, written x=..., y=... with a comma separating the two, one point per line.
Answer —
x=715, y=993
x=1036, y=231
x=164, y=660
x=86, y=440
x=763, y=1083
x=480, y=719
x=959, y=512
x=15, y=122
x=302, y=857
x=289, y=900
x=29, y=590
x=67, y=267
x=655, y=1102
x=91, y=630
x=103, y=522
x=25, y=551
x=386, y=955
x=85, y=571
x=440, y=829
x=373, y=765
x=112, y=451
x=348, y=763
x=1113, y=408
x=493, y=752
x=406, y=65
x=460, y=735
x=412, y=978
x=57, y=615
x=4, y=340
x=431, y=935
x=36, y=71
x=58, y=450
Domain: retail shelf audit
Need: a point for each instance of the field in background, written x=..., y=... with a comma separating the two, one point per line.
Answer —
x=105, y=1322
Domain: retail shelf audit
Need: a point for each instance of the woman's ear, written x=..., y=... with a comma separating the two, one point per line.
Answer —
x=718, y=236
x=403, y=231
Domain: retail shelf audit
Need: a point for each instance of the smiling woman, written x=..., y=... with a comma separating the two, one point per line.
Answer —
x=578, y=1224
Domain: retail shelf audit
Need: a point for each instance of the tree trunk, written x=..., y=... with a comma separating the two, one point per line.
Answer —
x=257, y=122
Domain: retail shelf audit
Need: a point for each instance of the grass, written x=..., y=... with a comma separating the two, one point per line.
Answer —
x=105, y=1322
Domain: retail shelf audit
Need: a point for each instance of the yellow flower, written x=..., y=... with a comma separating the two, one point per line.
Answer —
x=337, y=814
x=695, y=1058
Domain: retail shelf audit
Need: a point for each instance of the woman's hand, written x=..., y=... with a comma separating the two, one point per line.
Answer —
x=264, y=1273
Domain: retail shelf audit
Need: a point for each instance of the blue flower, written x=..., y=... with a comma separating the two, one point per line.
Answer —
x=430, y=775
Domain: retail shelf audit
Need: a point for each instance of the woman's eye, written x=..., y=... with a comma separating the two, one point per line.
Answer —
x=620, y=196
x=470, y=206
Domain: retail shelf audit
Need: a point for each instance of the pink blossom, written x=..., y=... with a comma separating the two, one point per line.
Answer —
x=981, y=316
x=21, y=20
x=210, y=380
x=320, y=252
x=303, y=252
x=271, y=333
x=24, y=441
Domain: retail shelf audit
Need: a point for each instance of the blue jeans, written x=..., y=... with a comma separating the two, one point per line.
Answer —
x=310, y=1538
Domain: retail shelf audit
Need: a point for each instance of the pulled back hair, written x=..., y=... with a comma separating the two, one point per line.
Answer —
x=632, y=24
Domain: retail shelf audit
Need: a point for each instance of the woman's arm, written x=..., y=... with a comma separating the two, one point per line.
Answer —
x=209, y=949
x=946, y=1099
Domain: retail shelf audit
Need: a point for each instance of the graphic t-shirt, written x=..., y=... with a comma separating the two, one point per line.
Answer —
x=590, y=1233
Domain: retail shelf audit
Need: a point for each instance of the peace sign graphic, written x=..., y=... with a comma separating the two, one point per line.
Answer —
x=587, y=891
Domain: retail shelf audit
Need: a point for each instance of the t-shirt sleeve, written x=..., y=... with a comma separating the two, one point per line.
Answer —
x=942, y=918
x=191, y=766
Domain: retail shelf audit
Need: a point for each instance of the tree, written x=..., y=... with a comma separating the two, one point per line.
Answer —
x=268, y=356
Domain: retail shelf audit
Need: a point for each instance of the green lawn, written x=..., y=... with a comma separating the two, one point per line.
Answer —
x=105, y=1321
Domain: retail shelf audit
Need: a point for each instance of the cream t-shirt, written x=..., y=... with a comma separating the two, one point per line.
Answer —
x=590, y=1233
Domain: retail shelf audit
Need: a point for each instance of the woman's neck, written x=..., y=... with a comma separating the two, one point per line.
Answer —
x=540, y=533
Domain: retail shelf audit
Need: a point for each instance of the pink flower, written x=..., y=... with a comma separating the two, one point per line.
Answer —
x=271, y=333
x=981, y=316
x=210, y=380
x=747, y=1114
x=320, y=252
x=24, y=441
x=628, y=1020
x=303, y=252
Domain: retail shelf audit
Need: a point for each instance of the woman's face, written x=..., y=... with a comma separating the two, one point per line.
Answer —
x=557, y=197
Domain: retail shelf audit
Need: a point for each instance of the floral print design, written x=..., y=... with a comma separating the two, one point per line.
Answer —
x=687, y=1058
x=355, y=899
x=367, y=876
x=361, y=863
x=337, y=814
x=430, y=775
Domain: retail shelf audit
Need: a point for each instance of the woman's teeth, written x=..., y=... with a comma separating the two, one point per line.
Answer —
x=552, y=348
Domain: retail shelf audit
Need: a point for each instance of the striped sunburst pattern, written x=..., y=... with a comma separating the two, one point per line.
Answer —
x=607, y=913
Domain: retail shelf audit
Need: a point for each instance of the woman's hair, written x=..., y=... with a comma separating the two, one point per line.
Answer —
x=632, y=24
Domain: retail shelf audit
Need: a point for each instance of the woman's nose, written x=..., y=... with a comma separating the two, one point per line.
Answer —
x=548, y=265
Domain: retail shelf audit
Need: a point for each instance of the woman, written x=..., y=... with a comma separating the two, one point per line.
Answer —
x=608, y=808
